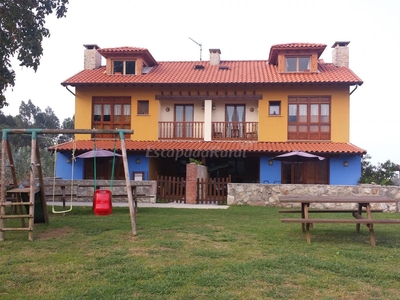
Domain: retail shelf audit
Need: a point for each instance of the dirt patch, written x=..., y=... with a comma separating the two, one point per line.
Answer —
x=57, y=232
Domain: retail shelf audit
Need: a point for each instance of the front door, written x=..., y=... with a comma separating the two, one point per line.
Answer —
x=310, y=172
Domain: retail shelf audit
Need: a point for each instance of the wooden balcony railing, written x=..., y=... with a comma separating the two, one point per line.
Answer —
x=220, y=130
x=180, y=130
x=234, y=130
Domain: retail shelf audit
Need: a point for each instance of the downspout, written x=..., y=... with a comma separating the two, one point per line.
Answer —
x=66, y=86
x=354, y=90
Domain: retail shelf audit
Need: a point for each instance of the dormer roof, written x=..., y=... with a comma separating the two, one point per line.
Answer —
x=294, y=47
x=129, y=52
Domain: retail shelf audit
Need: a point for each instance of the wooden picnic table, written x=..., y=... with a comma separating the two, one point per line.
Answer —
x=363, y=206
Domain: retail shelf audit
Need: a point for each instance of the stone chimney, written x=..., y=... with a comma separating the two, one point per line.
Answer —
x=215, y=57
x=340, y=54
x=92, y=58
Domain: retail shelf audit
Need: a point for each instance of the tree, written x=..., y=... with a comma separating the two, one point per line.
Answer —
x=68, y=123
x=21, y=33
x=382, y=173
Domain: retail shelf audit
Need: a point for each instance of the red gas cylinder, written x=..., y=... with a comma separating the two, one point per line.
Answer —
x=102, y=202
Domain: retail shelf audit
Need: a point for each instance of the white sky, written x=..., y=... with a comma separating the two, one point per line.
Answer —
x=243, y=30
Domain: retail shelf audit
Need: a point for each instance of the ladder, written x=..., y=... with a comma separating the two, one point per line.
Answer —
x=23, y=197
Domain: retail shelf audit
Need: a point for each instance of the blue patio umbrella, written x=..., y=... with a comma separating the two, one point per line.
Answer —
x=298, y=156
x=97, y=153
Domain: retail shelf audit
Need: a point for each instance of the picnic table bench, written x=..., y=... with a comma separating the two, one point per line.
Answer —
x=134, y=191
x=363, y=206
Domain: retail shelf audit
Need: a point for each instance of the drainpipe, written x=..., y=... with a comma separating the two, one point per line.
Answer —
x=66, y=86
x=353, y=90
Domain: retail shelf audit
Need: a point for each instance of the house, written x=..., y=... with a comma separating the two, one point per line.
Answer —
x=233, y=116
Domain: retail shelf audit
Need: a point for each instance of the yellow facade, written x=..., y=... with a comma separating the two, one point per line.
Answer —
x=274, y=128
x=145, y=127
x=271, y=128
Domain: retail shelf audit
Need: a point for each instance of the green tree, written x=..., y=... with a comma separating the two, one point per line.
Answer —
x=31, y=116
x=382, y=173
x=22, y=29
x=67, y=124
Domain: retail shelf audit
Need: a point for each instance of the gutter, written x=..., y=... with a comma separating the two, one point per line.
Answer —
x=66, y=86
x=353, y=90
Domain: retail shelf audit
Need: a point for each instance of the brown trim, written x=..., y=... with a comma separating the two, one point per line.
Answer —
x=209, y=97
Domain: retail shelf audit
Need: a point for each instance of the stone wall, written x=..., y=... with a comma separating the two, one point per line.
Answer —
x=256, y=194
x=84, y=189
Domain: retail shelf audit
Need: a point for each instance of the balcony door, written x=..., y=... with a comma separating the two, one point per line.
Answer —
x=184, y=120
x=234, y=118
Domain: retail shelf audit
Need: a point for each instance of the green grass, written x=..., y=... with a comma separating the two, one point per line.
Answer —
x=238, y=253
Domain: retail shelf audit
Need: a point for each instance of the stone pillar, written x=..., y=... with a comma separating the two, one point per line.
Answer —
x=191, y=183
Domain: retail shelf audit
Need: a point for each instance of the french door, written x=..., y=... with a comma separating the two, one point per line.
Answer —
x=234, y=118
x=184, y=120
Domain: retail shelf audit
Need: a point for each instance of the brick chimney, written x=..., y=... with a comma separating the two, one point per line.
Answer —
x=215, y=57
x=340, y=54
x=92, y=58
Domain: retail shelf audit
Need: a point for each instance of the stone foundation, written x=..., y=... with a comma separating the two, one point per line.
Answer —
x=256, y=194
x=85, y=193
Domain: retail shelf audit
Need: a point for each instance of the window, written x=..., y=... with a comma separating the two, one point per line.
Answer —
x=111, y=113
x=143, y=107
x=297, y=63
x=124, y=67
x=274, y=108
x=309, y=118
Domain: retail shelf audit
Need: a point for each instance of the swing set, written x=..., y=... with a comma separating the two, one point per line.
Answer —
x=36, y=204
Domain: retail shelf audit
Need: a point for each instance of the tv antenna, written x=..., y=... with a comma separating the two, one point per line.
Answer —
x=201, y=49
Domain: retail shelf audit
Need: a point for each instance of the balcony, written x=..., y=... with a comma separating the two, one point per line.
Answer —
x=220, y=130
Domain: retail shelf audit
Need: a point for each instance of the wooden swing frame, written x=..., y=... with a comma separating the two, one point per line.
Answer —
x=35, y=163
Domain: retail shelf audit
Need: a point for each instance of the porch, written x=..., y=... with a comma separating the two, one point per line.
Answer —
x=219, y=130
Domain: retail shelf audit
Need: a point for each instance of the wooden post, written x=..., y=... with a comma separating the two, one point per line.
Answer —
x=3, y=185
x=128, y=184
x=41, y=185
x=32, y=186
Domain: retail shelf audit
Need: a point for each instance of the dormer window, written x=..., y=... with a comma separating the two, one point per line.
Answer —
x=297, y=63
x=124, y=67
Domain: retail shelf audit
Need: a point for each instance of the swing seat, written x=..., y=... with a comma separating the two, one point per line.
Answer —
x=102, y=204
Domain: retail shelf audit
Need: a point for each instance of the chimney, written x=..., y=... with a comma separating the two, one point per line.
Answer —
x=92, y=58
x=340, y=54
x=215, y=57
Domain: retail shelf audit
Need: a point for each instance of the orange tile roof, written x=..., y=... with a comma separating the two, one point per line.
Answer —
x=250, y=72
x=247, y=146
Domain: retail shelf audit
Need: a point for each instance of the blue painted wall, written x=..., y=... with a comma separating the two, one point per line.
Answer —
x=341, y=175
x=270, y=173
x=143, y=166
x=338, y=173
x=64, y=166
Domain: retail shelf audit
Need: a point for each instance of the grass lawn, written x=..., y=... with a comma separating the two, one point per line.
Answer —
x=238, y=253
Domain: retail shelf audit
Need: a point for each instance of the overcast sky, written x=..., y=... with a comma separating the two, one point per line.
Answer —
x=243, y=30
